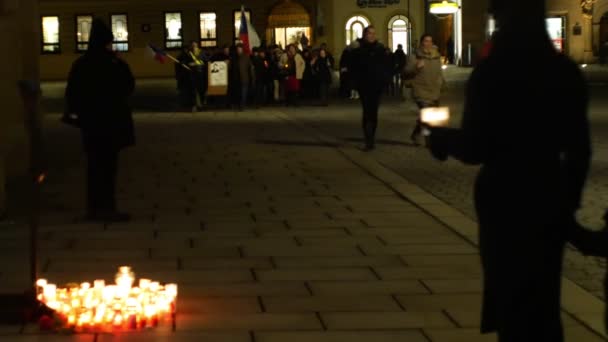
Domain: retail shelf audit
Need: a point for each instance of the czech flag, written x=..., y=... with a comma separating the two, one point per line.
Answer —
x=247, y=34
x=158, y=54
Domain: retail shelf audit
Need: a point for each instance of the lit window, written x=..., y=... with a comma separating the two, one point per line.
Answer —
x=398, y=33
x=50, y=35
x=83, y=31
x=120, y=30
x=237, y=21
x=208, y=21
x=173, y=30
x=354, y=28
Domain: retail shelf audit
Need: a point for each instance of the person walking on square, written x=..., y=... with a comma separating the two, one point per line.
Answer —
x=372, y=71
x=532, y=175
x=424, y=66
x=98, y=90
x=400, y=61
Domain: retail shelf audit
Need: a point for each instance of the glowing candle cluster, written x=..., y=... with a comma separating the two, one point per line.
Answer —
x=118, y=306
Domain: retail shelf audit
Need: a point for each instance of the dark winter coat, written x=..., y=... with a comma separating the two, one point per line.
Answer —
x=371, y=66
x=322, y=70
x=98, y=90
x=533, y=169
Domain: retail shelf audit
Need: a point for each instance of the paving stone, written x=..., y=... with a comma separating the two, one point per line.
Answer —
x=386, y=287
x=113, y=244
x=330, y=304
x=353, y=274
x=384, y=320
x=581, y=333
x=340, y=336
x=336, y=261
x=442, y=260
x=262, y=243
x=439, y=302
x=312, y=251
x=454, y=285
x=154, y=336
x=252, y=289
x=403, y=272
x=248, y=322
x=459, y=335
x=301, y=233
x=301, y=224
x=341, y=241
x=217, y=305
x=425, y=250
x=196, y=252
x=226, y=263
x=110, y=267
x=388, y=233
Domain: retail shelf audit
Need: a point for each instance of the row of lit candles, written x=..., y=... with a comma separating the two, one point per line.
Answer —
x=117, y=306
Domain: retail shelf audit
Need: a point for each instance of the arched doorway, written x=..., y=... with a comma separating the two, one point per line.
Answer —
x=354, y=28
x=289, y=23
x=398, y=33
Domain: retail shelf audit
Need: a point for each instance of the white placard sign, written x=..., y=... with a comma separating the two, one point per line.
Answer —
x=218, y=74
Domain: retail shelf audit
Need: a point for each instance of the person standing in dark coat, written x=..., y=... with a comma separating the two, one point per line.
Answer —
x=261, y=67
x=98, y=90
x=372, y=69
x=185, y=88
x=533, y=170
x=322, y=70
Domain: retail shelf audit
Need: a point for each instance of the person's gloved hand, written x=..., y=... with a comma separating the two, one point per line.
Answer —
x=437, y=142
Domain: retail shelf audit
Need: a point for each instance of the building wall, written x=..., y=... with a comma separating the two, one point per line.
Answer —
x=56, y=67
x=18, y=31
x=379, y=17
x=335, y=13
x=576, y=46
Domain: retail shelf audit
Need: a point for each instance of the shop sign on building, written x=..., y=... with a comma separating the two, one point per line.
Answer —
x=376, y=3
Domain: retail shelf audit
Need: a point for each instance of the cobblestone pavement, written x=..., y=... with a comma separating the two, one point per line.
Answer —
x=271, y=235
x=453, y=182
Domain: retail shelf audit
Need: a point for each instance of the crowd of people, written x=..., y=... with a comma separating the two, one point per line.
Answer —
x=267, y=75
x=528, y=189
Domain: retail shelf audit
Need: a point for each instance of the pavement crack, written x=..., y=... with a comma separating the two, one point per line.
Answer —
x=318, y=314
x=309, y=288
x=261, y=302
x=450, y=318
x=394, y=296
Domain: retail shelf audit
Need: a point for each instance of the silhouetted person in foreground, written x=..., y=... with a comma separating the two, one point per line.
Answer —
x=372, y=71
x=534, y=151
x=98, y=90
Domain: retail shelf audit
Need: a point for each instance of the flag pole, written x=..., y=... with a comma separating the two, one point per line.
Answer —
x=178, y=62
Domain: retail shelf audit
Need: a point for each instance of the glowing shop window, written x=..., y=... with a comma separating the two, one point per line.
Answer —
x=398, y=32
x=120, y=30
x=208, y=28
x=173, y=30
x=354, y=28
x=50, y=35
x=83, y=31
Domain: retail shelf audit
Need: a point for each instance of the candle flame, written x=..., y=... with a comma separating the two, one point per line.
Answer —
x=106, y=306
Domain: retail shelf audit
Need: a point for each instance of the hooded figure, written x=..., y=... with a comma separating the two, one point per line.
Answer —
x=533, y=170
x=98, y=91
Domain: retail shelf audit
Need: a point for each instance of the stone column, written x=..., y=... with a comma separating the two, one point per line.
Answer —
x=19, y=27
x=588, y=39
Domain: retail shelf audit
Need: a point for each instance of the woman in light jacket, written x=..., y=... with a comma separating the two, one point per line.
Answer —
x=424, y=66
x=295, y=65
